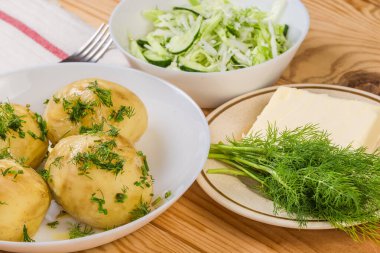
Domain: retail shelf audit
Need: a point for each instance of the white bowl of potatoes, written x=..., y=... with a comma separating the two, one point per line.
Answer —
x=124, y=146
x=210, y=49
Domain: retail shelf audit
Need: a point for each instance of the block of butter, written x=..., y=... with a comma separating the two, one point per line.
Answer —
x=348, y=121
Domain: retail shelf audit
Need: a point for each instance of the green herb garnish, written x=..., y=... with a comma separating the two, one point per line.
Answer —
x=104, y=95
x=94, y=129
x=43, y=128
x=45, y=174
x=4, y=153
x=9, y=121
x=145, y=166
x=77, y=109
x=120, y=197
x=42, y=125
x=26, y=237
x=156, y=201
x=56, y=99
x=113, y=132
x=118, y=115
x=306, y=175
x=9, y=171
x=143, y=182
x=53, y=224
x=102, y=157
x=46, y=101
x=57, y=162
x=98, y=128
x=100, y=202
x=76, y=231
x=141, y=210
x=168, y=194
x=3, y=203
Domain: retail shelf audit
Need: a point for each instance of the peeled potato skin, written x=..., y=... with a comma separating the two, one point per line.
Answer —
x=27, y=200
x=73, y=192
x=31, y=150
x=60, y=126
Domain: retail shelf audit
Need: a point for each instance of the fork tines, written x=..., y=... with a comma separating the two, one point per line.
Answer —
x=94, y=48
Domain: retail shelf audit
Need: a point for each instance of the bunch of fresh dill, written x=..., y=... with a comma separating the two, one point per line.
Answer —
x=306, y=175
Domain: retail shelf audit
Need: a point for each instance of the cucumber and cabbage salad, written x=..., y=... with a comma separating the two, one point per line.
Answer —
x=211, y=36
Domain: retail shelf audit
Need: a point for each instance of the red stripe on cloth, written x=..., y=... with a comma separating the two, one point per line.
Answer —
x=33, y=35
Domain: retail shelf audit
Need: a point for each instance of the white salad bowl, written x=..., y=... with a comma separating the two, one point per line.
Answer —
x=176, y=142
x=209, y=89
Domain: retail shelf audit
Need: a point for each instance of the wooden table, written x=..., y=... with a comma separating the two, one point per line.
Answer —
x=343, y=47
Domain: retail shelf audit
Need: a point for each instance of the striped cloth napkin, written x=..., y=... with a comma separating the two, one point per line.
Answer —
x=34, y=32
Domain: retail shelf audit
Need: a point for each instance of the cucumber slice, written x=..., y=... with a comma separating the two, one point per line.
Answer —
x=238, y=64
x=142, y=43
x=180, y=43
x=286, y=29
x=155, y=46
x=191, y=66
x=136, y=50
x=186, y=9
x=158, y=60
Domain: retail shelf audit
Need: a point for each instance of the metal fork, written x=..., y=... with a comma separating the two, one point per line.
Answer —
x=94, y=48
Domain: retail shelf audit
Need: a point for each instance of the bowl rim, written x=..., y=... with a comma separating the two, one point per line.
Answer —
x=126, y=52
x=128, y=228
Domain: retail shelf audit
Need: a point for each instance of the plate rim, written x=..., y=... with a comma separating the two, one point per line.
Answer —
x=247, y=212
x=125, y=229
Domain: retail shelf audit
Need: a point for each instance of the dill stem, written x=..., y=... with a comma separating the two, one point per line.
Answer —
x=247, y=172
x=226, y=171
x=237, y=148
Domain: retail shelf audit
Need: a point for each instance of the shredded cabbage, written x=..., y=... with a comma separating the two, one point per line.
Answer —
x=229, y=38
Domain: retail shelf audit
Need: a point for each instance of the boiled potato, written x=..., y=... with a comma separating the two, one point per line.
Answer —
x=22, y=134
x=86, y=103
x=100, y=181
x=24, y=200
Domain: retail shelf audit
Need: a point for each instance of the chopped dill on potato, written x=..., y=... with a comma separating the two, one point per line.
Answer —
x=57, y=162
x=42, y=125
x=46, y=101
x=104, y=95
x=4, y=153
x=53, y=224
x=3, y=203
x=98, y=128
x=145, y=166
x=94, y=129
x=100, y=156
x=9, y=171
x=77, y=231
x=121, y=196
x=26, y=237
x=56, y=99
x=77, y=109
x=113, y=132
x=45, y=174
x=43, y=128
x=9, y=121
x=118, y=115
x=140, y=210
x=100, y=202
x=143, y=182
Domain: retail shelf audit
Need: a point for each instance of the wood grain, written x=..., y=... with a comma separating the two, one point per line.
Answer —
x=342, y=47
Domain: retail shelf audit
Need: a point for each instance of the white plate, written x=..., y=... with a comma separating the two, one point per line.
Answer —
x=176, y=142
x=236, y=117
